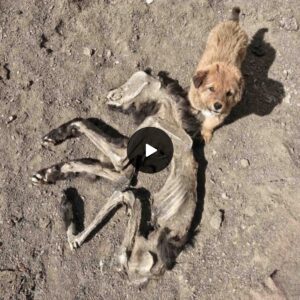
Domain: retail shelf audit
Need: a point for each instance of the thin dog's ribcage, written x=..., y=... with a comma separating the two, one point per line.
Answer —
x=170, y=198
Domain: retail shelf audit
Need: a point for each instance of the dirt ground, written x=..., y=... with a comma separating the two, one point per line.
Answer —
x=58, y=60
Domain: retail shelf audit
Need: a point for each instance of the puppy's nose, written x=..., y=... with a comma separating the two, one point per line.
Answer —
x=218, y=105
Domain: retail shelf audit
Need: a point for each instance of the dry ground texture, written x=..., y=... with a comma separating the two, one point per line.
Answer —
x=58, y=60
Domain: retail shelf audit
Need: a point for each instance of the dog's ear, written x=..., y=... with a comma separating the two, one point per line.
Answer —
x=199, y=78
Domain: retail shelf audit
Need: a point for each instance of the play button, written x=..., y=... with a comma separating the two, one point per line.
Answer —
x=150, y=150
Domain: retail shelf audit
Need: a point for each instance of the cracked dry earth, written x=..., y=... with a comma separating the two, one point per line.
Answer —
x=58, y=60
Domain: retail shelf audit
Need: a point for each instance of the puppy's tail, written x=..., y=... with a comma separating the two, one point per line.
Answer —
x=235, y=14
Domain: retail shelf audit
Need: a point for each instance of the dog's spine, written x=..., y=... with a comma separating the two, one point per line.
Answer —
x=235, y=14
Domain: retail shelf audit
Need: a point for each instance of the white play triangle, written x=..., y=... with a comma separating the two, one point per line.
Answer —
x=150, y=150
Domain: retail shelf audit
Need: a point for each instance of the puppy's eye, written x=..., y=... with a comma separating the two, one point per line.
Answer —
x=229, y=94
x=211, y=89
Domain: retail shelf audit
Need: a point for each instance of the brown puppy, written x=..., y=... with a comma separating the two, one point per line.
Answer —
x=218, y=84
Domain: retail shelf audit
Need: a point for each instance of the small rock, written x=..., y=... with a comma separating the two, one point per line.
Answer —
x=287, y=99
x=214, y=152
x=224, y=196
x=245, y=163
x=217, y=219
x=87, y=51
x=108, y=53
x=289, y=24
x=149, y=1
x=11, y=119
x=101, y=264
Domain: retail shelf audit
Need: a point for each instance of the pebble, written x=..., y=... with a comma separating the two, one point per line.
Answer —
x=11, y=119
x=216, y=220
x=224, y=196
x=87, y=51
x=101, y=264
x=149, y=1
x=289, y=24
x=287, y=99
x=108, y=53
x=245, y=163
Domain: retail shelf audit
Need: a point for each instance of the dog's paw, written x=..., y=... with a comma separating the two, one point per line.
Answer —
x=124, y=95
x=62, y=133
x=74, y=244
x=75, y=241
x=207, y=136
x=113, y=98
x=46, y=176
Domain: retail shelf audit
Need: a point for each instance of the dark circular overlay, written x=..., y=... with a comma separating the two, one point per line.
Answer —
x=153, y=137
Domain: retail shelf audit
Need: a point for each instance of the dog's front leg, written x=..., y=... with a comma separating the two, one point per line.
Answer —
x=208, y=126
x=140, y=83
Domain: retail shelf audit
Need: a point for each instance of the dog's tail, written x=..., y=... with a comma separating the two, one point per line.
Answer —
x=235, y=14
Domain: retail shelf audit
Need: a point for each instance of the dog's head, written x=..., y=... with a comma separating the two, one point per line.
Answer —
x=218, y=88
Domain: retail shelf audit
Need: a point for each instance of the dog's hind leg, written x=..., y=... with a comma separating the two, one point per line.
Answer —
x=74, y=167
x=135, y=208
x=117, y=198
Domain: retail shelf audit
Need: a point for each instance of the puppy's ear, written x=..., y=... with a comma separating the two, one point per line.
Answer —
x=199, y=78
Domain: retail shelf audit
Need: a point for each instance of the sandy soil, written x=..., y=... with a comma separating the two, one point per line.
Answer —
x=58, y=60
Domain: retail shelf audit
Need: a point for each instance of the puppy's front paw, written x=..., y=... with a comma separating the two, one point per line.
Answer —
x=207, y=135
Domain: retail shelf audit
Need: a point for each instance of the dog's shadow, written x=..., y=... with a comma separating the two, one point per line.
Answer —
x=262, y=94
x=72, y=196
